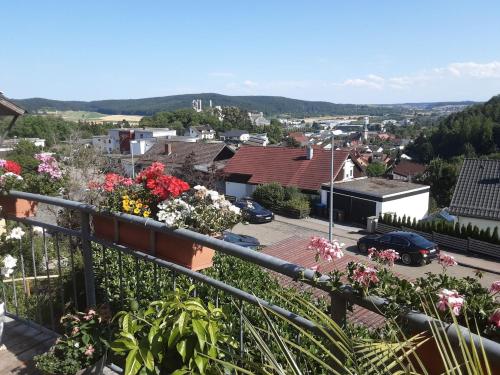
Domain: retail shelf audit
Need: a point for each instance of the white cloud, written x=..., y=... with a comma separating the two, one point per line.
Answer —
x=371, y=81
x=476, y=70
x=249, y=83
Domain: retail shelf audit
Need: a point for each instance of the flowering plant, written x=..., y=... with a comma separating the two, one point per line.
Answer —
x=204, y=211
x=138, y=197
x=83, y=343
x=10, y=176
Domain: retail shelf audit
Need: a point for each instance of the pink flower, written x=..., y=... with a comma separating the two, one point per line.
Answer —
x=90, y=315
x=75, y=330
x=495, y=287
x=365, y=275
x=450, y=299
x=447, y=260
x=388, y=256
x=371, y=252
x=89, y=351
x=48, y=165
x=328, y=251
x=315, y=268
x=495, y=318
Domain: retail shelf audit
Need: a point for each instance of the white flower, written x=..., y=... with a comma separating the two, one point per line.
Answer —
x=77, y=344
x=16, y=234
x=10, y=174
x=37, y=230
x=9, y=262
x=213, y=195
x=234, y=209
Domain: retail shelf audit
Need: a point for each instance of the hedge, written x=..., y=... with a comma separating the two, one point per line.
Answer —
x=286, y=201
x=442, y=227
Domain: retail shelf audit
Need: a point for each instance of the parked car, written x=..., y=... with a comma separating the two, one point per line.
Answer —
x=412, y=248
x=253, y=211
x=241, y=239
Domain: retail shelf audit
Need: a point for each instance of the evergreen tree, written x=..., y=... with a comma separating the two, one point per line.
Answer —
x=494, y=236
x=469, y=230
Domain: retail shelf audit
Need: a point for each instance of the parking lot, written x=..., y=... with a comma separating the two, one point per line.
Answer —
x=283, y=228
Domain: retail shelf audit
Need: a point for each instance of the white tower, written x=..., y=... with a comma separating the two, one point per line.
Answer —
x=365, y=131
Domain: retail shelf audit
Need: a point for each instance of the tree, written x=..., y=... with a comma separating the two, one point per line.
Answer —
x=269, y=195
x=193, y=177
x=375, y=169
x=442, y=177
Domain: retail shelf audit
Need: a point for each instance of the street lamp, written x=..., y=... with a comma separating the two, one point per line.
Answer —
x=330, y=226
x=132, y=155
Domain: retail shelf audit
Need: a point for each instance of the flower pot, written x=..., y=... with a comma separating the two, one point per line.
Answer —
x=17, y=207
x=95, y=369
x=104, y=227
x=135, y=236
x=183, y=252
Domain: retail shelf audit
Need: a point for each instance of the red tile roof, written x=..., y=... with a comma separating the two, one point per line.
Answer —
x=408, y=168
x=285, y=165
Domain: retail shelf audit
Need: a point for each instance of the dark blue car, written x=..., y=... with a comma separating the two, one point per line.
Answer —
x=241, y=240
x=254, y=212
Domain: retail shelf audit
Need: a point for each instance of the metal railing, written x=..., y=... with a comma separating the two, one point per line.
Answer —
x=69, y=251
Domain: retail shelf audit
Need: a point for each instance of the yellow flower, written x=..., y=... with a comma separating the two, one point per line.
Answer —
x=139, y=204
x=125, y=197
x=136, y=211
x=132, y=202
x=146, y=214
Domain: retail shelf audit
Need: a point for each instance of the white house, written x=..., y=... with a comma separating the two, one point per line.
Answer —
x=201, y=132
x=357, y=199
x=258, y=119
x=476, y=199
x=257, y=140
x=235, y=135
x=147, y=133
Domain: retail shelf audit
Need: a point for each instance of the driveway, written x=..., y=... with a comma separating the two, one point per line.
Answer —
x=284, y=228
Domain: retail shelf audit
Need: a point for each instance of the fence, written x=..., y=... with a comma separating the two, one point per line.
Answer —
x=68, y=259
x=461, y=245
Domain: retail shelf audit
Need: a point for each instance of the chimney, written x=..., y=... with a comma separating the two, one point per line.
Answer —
x=309, y=152
x=168, y=148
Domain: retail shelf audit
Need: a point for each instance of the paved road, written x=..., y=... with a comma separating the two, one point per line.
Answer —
x=283, y=228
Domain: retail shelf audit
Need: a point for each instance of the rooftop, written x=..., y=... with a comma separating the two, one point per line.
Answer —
x=377, y=187
x=9, y=108
x=408, y=168
x=477, y=192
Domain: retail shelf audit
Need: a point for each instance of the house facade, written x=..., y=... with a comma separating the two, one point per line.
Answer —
x=201, y=132
x=235, y=135
x=304, y=168
x=476, y=199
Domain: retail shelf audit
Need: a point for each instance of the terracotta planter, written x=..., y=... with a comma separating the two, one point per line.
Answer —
x=104, y=227
x=17, y=207
x=135, y=236
x=183, y=252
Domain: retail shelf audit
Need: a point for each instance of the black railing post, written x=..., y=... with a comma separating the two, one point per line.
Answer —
x=88, y=262
x=338, y=308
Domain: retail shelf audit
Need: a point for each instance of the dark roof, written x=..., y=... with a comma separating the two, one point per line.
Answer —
x=378, y=187
x=234, y=133
x=477, y=192
x=205, y=153
x=285, y=165
x=201, y=128
x=9, y=108
x=408, y=168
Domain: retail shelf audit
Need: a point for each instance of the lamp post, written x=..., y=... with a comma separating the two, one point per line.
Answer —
x=330, y=226
x=132, y=157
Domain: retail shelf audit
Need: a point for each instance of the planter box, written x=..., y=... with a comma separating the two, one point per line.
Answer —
x=17, y=207
x=96, y=369
x=183, y=252
x=173, y=249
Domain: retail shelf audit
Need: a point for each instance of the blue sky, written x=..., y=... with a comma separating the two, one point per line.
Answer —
x=339, y=51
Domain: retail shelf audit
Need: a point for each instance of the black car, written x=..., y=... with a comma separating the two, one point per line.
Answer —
x=412, y=248
x=254, y=212
x=242, y=240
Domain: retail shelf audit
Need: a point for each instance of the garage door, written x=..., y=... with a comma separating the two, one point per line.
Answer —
x=355, y=210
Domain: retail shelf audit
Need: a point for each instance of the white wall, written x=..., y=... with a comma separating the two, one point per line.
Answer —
x=481, y=223
x=239, y=190
x=141, y=146
x=414, y=206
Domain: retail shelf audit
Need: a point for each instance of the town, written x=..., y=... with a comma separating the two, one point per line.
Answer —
x=257, y=203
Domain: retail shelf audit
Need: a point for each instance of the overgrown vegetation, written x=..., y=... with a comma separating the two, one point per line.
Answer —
x=284, y=200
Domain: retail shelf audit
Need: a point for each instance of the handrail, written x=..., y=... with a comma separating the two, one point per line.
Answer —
x=415, y=321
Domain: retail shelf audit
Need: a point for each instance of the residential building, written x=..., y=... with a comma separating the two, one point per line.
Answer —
x=235, y=135
x=119, y=140
x=357, y=199
x=304, y=168
x=258, y=119
x=258, y=140
x=476, y=199
x=148, y=133
x=406, y=170
x=299, y=138
x=201, y=132
x=10, y=144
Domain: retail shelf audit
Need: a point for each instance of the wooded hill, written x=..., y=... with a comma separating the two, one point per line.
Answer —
x=270, y=105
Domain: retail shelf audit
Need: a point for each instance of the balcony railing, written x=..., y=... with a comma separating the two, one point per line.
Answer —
x=53, y=280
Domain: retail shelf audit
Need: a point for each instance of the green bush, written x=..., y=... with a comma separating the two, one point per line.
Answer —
x=269, y=195
x=494, y=236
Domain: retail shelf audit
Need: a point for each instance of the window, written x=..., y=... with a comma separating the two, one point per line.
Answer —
x=385, y=238
x=400, y=241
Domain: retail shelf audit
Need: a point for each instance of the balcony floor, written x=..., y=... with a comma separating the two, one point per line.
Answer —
x=21, y=344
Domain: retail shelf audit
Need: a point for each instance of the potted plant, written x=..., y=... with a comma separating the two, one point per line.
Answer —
x=176, y=335
x=46, y=178
x=139, y=197
x=83, y=347
x=202, y=210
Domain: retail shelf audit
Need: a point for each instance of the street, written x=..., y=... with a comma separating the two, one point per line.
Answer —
x=282, y=228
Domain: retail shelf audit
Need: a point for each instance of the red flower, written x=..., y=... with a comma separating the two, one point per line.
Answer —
x=12, y=166
x=160, y=184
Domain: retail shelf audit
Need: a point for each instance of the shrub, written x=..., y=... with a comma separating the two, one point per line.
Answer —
x=494, y=236
x=269, y=194
x=469, y=230
x=414, y=223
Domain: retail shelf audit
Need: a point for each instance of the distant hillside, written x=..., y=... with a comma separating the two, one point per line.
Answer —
x=270, y=105
x=433, y=105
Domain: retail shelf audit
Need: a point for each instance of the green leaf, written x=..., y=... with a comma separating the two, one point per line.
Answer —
x=180, y=322
x=174, y=336
x=132, y=363
x=201, y=363
x=122, y=345
x=200, y=332
x=147, y=358
x=182, y=349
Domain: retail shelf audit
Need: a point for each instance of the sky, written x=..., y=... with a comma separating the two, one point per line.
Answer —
x=338, y=51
